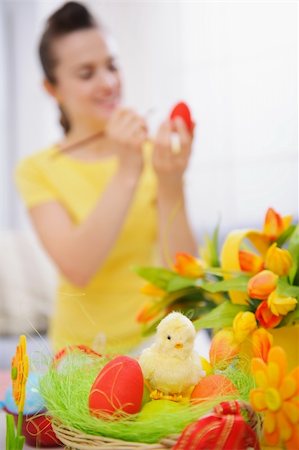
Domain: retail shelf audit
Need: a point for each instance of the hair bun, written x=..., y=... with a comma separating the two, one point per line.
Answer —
x=70, y=17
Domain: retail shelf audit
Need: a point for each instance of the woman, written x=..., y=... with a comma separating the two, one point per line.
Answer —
x=99, y=200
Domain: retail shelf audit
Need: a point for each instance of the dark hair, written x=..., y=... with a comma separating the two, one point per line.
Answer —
x=72, y=16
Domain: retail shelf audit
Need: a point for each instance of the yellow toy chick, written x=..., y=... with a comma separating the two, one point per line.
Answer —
x=170, y=366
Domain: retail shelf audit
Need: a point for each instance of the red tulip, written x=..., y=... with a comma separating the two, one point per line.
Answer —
x=265, y=316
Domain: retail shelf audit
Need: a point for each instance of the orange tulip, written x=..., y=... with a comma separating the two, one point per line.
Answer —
x=148, y=312
x=188, y=266
x=223, y=348
x=275, y=224
x=278, y=260
x=249, y=262
x=262, y=284
x=265, y=316
x=261, y=343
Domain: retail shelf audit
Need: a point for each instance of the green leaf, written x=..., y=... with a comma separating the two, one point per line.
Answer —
x=179, y=282
x=285, y=235
x=212, y=246
x=284, y=288
x=20, y=441
x=156, y=275
x=233, y=284
x=10, y=432
x=149, y=329
x=221, y=316
x=165, y=279
x=290, y=319
x=294, y=251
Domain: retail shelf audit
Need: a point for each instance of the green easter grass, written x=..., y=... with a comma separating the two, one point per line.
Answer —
x=66, y=392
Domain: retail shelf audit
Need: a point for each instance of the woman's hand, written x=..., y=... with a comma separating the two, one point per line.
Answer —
x=175, y=234
x=127, y=131
x=169, y=165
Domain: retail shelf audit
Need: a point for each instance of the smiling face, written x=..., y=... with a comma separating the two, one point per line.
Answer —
x=87, y=79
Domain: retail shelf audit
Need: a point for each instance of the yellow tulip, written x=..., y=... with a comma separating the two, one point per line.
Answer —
x=278, y=260
x=152, y=290
x=281, y=304
x=262, y=284
x=243, y=325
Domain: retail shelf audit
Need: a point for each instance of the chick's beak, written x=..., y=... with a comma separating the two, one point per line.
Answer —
x=179, y=345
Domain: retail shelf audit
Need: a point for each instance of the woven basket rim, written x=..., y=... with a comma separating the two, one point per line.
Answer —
x=76, y=439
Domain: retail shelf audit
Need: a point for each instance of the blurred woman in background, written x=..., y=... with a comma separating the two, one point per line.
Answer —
x=101, y=200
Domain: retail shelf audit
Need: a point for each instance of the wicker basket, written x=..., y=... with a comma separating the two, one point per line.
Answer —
x=77, y=440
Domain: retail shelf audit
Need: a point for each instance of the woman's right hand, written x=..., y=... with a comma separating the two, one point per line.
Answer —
x=127, y=132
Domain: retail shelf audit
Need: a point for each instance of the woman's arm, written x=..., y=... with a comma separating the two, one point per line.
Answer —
x=79, y=251
x=175, y=234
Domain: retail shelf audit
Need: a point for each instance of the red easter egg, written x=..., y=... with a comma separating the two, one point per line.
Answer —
x=118, y=388
x=212, y=386
x=183, y=111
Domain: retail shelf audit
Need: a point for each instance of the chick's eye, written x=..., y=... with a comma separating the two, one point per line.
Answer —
x=168, y=337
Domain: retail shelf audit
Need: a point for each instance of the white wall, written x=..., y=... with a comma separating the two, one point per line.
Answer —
x=236, y=65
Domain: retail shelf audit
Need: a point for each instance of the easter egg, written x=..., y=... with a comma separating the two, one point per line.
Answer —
x=117, y=389
x=156, y=409
x=34, y=403
x=183, y=111
x=212, y=386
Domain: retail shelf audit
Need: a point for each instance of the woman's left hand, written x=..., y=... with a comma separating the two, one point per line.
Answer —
x=170, y=164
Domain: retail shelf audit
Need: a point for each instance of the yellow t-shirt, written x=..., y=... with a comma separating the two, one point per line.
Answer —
x=108, y=305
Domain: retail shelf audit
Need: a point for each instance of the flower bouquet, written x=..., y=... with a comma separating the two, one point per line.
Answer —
x=253, y=283
x=248, y=296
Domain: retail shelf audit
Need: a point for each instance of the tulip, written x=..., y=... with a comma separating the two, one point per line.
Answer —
x=223, y=348
x=148, y=312
x=249, y=262
x=152, y=290
x=262, y=284
x=265, y=316
x=188, y=266
x=278, y=260
x=281, y=304
x=261, y=343
x=243, y=325
x=275, y=224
